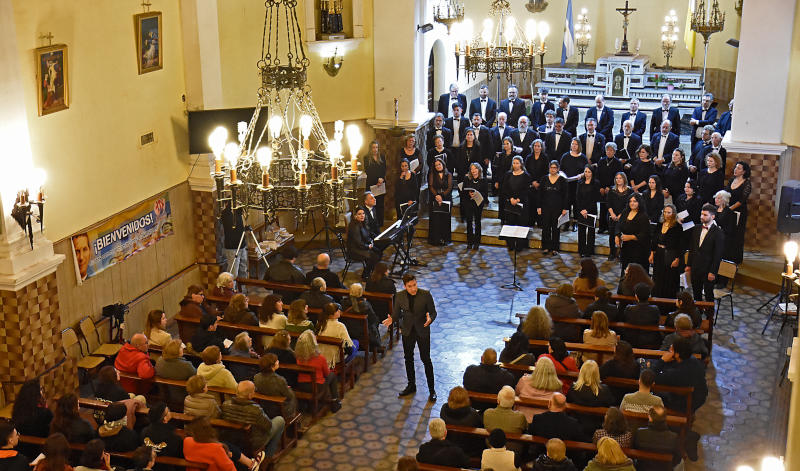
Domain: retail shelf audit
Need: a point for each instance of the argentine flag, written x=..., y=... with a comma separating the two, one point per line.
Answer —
x=568, y=47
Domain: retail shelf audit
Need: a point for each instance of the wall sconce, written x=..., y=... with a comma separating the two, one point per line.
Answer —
x=333, y=64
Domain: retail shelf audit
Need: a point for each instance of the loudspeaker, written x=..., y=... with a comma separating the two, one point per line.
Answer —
x=789, y=207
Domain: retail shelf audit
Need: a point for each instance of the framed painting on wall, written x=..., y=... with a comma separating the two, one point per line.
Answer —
x=149, y=52
x=52, y=78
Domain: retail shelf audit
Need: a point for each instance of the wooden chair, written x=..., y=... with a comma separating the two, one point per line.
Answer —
x=728, y=270
x=348, y=259
x=93, y=343
x=87, y=365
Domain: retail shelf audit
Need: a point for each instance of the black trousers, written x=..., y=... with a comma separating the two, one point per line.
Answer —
x=700, y=284
x=603, y=222
x=473, y=216
x=423, y=340
x=551, y=237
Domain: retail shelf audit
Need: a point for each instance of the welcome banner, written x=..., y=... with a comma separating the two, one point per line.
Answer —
x=121, y=237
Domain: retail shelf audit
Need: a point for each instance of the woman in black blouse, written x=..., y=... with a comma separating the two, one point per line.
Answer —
x=675, y=176
x=440, y=184
x=410, y=152
x=359, y=243
x=740, y=188
x=554, y=204
x=536, y=165
x=726, y=220
x=633, y=233
x=653, y=198
x=514, y=193
x=406, y=189
x=586, y=197
x=690, y=202
x=711, y=179
x=375, y=168
x=617, y=199
x=439, y=151
x=572, y=164
x=666, y=254
x=642, y=168
x=502, y=164
x=469, y=151
x=474, y=183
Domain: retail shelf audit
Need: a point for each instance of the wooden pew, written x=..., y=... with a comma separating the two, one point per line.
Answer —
x=601, y=350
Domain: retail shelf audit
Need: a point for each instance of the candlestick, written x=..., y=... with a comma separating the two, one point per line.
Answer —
x=233, y=174
x=40, y=197
x=306, y=144
x=265, y=179
x=396, y=114
x=303, y=179
x=334, y=172
x=354, y=165
x=217, y=165
x=467, y=48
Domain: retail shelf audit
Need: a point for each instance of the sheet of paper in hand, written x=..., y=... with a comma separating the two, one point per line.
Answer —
x=379, y=189
x=589, y=221
x=444, y=207
x=477, y=198
x=687, y=225
x=413, y=165
x=517, y=232
x=563, y=219
x=683, y=215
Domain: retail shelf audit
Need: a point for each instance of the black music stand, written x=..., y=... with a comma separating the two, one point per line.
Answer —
x=515, y=232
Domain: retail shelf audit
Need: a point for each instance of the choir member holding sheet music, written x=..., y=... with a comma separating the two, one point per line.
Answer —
x=406, y=189
x=666, y=254
x=410, y=152
x=536, y=165
x=617, y=200
x=375, y=168
x=514, y=193
x=554, y=205
x=586, y=198
x=476, y=190
x=440, y=184
x=633, y=234
x=572, y=164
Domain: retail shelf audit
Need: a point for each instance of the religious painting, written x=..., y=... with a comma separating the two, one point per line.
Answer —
x=149, y=52
x=52, y=80
x=618, y=82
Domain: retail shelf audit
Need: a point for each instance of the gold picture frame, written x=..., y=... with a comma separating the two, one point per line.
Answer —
x=52, y=78
x=149, y=46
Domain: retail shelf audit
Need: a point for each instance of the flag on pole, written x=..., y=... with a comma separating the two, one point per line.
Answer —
x=689, y=36
x=568, y=47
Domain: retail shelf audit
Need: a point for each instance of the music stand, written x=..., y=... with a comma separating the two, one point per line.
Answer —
x=516, y=232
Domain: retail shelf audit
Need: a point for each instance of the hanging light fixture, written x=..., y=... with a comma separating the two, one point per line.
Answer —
x=448, y=13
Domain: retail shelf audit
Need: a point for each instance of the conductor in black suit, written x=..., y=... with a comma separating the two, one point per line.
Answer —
x=705, y=254
x=446, y=100
x=415, y=312
x=484, y=106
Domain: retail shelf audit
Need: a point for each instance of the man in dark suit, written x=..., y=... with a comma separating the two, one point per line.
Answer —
x=569, y=114
x=705, y=254
x=372, y=223
x=512, y=106
x=724, y=124
x=702, y=115
x=658, y=438
x=698, y=156
x=557, y=142
x=549, y=123
x=446, y=100
x=322, y=270
x=715, y=145
x=524, y=136
x=664, y=143
x=285, y=271
x=679, y=367
x=642, y=313
x=440, y=451
x=592, y=142
x=638, y=118
x=603, y=116
x=627, y=142
x=458, y=125
x=484, y=139
x=555, y=423
x=666, y=112
x=487, y=377
x=484, y=106
x=438, y=129
x=415, y=312
x=500, y=132
x=540, y=107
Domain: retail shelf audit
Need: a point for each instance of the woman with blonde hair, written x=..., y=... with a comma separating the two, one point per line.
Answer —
x=357, y=303
x=667, y=254
x=599, y=334
x=213, y=370
x=237, y=311
x=541, y=384
x=610, y=457
x=537, y=326
x=224, y=287
x=242, y=347
x=588, y=390
x=172, y=365
x=307, y=352
x=297, y=321
x=281, y=346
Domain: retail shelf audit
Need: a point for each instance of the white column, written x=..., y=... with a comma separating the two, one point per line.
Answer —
x=201, y=48
x=394, y=31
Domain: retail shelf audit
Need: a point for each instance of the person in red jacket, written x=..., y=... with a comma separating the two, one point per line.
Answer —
x=202, y=446
x=133, y=359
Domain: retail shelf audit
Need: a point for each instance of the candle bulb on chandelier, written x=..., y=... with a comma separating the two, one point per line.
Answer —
x=264, y=156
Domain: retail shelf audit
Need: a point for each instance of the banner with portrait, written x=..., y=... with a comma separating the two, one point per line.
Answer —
x=122, y=236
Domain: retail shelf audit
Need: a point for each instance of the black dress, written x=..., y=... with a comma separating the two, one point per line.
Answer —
x=641, y=171
x=726, y=220
x=515, y=186
x=536, y=168
x=473, y=212
x=417, y=155
x=554, y=200
x=739, y=194
x=708, y=184
x=653, y=204
x=638, y=250
x=573, y=165
x=617, y=202
x=464, y=156
x=605, y=173
x=445, y=154
x=439, y=229
x=405, y=190
x=376, y=170
x=358, y=246
x=667, y=246
x=675, y=179
x=586, y=197
x=500, y=166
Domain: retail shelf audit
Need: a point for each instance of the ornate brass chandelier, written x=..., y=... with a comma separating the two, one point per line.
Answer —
x=707, y=23
x=282, y=160
x=448, y=12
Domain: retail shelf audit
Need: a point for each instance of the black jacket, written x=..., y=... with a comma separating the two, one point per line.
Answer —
x=570, y=120
x=36, y=424
x=537, y=115
x=487, y=378
x=444, y=105
x=639, y=122
x=555, y=152
x=110, y=392
x=704, y=259
x=628, y=153
x=491, y=110
x=545, y=463
x=315, y=299
x=204, y=338
x=657, y=437
x=610, y=309
x=443, y=453
x=78, y=431
x=605, y=121
x=598, y=149
x=164, y=433
x=10, y=460
x=555, y=425
x=467, y=417
x=285, y=271
x=124, y=440
x=674, y=117
x=331, y=279
x=414, y=319
x=585, y=397
x=688, y=373
x=642, y=313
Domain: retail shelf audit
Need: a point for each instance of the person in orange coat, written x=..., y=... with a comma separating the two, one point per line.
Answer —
x=133, y=359
x=201, y=446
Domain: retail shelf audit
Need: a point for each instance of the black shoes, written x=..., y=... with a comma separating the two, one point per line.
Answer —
x=409, y=390
x=432, y=396
x=335, y=405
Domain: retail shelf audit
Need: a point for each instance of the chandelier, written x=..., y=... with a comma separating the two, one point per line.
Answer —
x=707, y=23
x=583, y=33
x=282, y=160
x=669, y=35
x=448, y=12
x=502, y=48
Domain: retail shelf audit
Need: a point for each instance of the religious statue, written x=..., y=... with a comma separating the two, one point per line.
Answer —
x=331, y=16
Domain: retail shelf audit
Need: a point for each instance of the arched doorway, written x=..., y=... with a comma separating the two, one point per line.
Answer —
x=431, y=82
x=437, y=73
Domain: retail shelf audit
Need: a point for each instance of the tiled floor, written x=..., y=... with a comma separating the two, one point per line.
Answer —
x=744, y=418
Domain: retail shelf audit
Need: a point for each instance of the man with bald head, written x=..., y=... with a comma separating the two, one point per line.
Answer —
x=264, y=432
x=322, y=270
x=555, y=423
x=133, y=359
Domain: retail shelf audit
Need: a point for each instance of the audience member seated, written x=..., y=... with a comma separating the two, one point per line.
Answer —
x=587, y=281
x=206, y=335
x=328, y=325
x=634, y=274
x=270, y=383
x=224, y=285
x=379, y=282
x=555, y=423
x=172, y=365
x=143, y=459
x=560, y=305
x=356, y=302
x=242, y=347
x=316, y=297
x=685, y=305
x=542, y=383
x=30, y=413
x=202, y=446
x=622, y=365
x=322, y=270
x=160, y=433
x=562, y=360
x=271, y=316
x=94, y=457
x=516, y=351
x=115, y=431
x=642, y=400
x=264, y=432
x=642, y=313
x=457, y=411
x=67, y=420
x=133, y=359
x=194, y=303
x=439, y=450
x=108, y=388
x=199, y=402
x=658, y=438
x=602, y=302
x=407, y=463
x=614, y=426
x=678, y=367
x=588, y=390
x=56, y=453
x=10, y=459
x=537, y=326
x=155, y=328
x=599, y=334
x=307, y=353
x=504, y=416
x=213, y=371
x=555, y=459
x=298, y=317
x=496, y=457
x=285, y=271
x=685, y=329
x=280, y=345
x=487, y=377
x=610, y=457
x=237, y=311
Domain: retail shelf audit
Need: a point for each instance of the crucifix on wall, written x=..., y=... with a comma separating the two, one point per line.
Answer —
x=625, y=13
